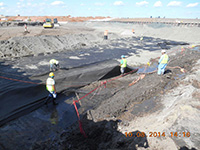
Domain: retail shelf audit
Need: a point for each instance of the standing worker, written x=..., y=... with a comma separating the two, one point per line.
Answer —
x=25, y=28
x=105, y=34
x=133, y=31
x=50, y=86
x=123, y=64
x=162, y=63
x=54, y=64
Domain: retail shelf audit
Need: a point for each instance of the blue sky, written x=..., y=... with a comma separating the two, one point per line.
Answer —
x=113, y=8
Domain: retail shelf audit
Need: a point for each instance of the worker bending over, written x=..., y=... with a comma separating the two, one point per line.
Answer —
x=162, y=63
x=123, y=64
x=54, y=64
x=50, y=86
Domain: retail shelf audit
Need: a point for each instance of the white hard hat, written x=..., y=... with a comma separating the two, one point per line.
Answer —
x=163, y=51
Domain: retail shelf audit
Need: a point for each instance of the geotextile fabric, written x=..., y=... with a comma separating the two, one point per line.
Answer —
x=18, y=98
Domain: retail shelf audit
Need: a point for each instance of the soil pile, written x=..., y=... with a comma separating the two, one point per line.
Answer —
x=45, y=44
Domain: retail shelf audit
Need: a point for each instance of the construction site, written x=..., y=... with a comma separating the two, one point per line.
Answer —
x=98, y=107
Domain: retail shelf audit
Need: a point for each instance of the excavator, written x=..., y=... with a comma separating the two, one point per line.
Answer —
x=48, y=23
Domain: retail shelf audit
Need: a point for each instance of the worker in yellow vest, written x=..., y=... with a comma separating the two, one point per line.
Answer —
x=50, y=86
x=123, y=64
x=162, y=63
x=54, y=64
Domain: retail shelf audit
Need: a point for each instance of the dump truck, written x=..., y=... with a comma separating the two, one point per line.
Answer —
x=48, y=23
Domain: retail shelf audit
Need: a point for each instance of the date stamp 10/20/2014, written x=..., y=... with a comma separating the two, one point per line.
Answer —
x=157, y=134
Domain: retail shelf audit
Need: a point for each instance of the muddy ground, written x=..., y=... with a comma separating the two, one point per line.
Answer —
x=168, y=103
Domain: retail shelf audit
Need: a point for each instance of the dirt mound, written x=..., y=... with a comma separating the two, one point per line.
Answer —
x=135, y=94
x=26, y=46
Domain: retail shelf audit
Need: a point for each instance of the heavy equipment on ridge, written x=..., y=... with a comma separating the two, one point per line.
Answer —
x=48, y=23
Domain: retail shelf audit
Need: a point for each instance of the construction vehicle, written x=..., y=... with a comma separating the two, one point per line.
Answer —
x=48, y=23
x=55, y=20
x=56, y=24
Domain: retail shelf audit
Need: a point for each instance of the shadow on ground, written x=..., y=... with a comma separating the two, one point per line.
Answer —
x=45, y=123
x=100, y=135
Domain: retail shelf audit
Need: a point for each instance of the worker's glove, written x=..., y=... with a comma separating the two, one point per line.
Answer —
x=54, y=95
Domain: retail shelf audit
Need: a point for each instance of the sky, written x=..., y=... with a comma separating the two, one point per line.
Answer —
x=112, y=8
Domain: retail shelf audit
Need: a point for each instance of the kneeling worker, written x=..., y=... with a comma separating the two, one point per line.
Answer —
x=123, y=64
x=54, y=64
x=162, y=63
x=50, y=86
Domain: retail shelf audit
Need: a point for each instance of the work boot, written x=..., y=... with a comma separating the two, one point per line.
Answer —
x=47, y=99
x=55, y=103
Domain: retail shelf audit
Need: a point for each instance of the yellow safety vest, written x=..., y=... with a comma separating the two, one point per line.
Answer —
x=124, y=63
x=165, y=59
x=49, y=84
